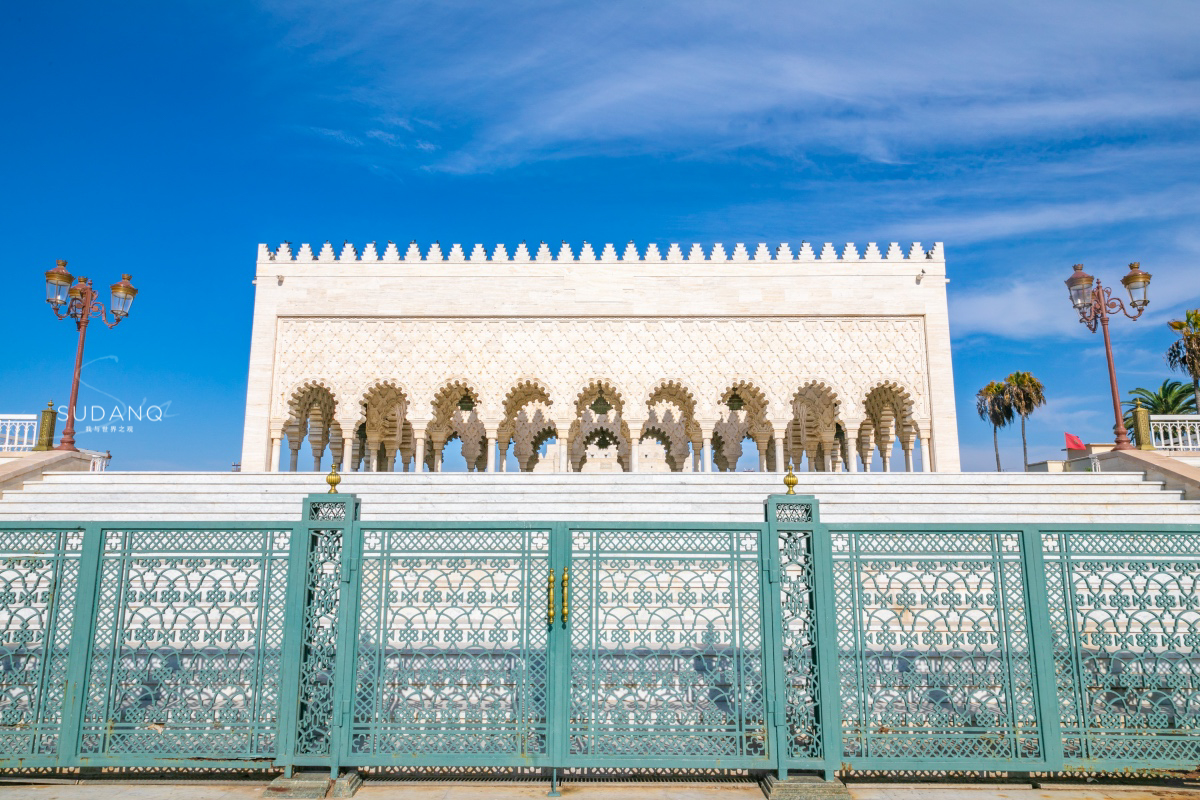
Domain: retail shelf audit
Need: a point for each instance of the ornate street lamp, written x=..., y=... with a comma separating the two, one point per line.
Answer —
x=1094, y=305
x=82, y=305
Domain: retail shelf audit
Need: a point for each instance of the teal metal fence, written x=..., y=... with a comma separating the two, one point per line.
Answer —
x=788, y=645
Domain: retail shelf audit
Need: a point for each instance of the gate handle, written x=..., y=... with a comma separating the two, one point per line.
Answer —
x=564, y=590
x=550, y=598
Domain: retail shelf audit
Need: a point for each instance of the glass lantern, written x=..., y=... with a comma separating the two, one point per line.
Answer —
x=1080, y=287
x=122, y=296
x=1136, y=283
x=58, y=280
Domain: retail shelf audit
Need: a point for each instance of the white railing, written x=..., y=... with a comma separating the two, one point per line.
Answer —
x=99, y=461
x=18, y=432
x=1175, y=432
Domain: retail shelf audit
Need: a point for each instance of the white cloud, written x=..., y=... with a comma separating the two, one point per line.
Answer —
x=526, y=80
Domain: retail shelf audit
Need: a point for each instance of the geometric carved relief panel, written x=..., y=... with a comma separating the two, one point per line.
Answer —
x=707, y=356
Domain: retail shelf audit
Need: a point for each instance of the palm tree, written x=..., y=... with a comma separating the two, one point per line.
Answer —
x=1184, y=355
x=1025, y=394
x=1173, y=397
x=993, y=406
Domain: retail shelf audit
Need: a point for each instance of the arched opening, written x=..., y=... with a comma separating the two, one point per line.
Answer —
x=598, y=408
x=310, y=428
x=670, y=436
x=456, y=430
x=742, y=435
x=522, y=432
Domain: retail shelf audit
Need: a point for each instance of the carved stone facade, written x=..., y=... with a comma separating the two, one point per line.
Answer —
x=577, y=364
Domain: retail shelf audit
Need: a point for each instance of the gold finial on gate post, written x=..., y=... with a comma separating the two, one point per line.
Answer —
x=333, y=479
x=790, y=480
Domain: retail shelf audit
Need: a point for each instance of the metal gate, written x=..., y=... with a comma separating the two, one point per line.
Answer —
x=553, y=645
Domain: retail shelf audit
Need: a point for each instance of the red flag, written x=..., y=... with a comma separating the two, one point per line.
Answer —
x=1074, y=442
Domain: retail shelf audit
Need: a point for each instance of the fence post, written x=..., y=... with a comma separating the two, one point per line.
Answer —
x=82, y=641
x=293, y=645
x=830, y=704
x=1042, y=642
x=776, y=686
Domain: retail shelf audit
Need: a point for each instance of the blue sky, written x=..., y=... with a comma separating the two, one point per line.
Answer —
x=168, y=139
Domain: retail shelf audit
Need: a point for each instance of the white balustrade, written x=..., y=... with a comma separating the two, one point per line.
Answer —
x=1180, y=432
x=99, y=461
x=18, y=432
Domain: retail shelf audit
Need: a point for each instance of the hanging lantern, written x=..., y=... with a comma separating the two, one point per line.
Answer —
x=600, y=405
x=735, y=402
x=466, y=403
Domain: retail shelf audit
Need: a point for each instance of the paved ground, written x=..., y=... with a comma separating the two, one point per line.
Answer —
x=584, y=792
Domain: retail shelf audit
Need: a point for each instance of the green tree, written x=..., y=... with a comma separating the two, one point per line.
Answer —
x=1173, y=397
x=993, y=406
x=1025, y=394
x=1184, y=355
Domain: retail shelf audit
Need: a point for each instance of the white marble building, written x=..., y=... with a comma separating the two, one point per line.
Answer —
x=675, y=359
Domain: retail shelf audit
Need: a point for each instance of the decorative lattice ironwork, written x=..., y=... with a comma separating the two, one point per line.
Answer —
x=187, y=642
x=935, y=656
x=799, y=651
x=327, y=511
x=314, y=734
x=666, y=646
x=452, y=645
x=793, y=512
x=39, y=572
x=1125, y=621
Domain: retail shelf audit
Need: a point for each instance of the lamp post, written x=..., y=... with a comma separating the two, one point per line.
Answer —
x=82, y=305
x=1094, y=306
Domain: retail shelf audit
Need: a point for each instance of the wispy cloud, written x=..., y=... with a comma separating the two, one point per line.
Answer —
x=524, y=80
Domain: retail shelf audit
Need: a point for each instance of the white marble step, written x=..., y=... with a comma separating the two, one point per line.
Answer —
x=1012, y=498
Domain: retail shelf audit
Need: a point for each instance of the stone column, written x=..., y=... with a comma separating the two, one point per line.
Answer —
x=908, y=458
x=925, y=451
x=502, y=463
x=762, y=454
x=419, y=450
x=490, y=443
x=706, y=456
x=389, y=457
x=851, y=429
x=437, y=452
x=276, y=446
x=780, y=461
x=294, y=462
x=635, y=445
x=828, y=448
x=561, y=429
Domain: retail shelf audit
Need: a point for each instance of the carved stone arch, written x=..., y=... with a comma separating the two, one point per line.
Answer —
x=734, y=425
x=524, y=392
x=591, y=391
x=297, y=388
x=524, y=386
x=311, y=409
x=536, y=443
x=890, y=405
x=448, y=421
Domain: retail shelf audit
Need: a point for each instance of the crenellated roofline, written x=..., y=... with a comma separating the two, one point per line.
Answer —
x=675, y=253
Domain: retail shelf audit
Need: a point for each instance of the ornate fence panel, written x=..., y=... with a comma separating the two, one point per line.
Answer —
x=1125, y=622
x=794, y=644
x=935, y=649
x=667, y=647
x=39, y=606
x=451, y=660
x=186, y=645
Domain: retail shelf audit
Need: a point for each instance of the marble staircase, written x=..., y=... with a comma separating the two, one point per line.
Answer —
x=1001, y=498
